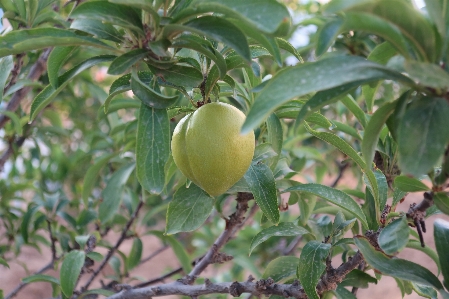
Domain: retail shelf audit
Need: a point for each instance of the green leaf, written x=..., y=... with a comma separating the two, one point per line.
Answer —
x=49, y=93
x=177, y=248
x=427, y=74
x=352, y=106
x=70, y=271
x=414, y=244
x=152, y=148
x=382, y=187
x=410, y=22
x=112, y=194
x=341, y=293
x=323, y=98
x=327, y=35
x=216, y=28
x=283, y=229
x=24, y=227
x=359, y=279
x=373, y=129
x=394, y=237
x=204, y=47
x=261, y=182
x=26, y=40
x=281, y=268
x=312, y=265
x=275, y=137
x=6, y=66
x=91, y=175
x=371, y=211
x=188, y=210
x=382, y=53
x=136, y=254
x=120, y=85
x=122, y=63
x=116, y=14
x=426, y=118
x=310, y=77
x=425, y=291
x=334, y=196
x=408, y=184
x=56, y=60
x=98, y=257
x=4, y=263
x=396, y=267
x=149, y=96
x=367, y=22
x=265, y=15
x=285, y=45
x=441, y=200
x=441, y=237
x=41, y=277
x=98, y=29
x=180, y=75
x=144, y=5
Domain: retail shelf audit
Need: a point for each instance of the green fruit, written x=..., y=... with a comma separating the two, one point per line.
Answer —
x=209, y=150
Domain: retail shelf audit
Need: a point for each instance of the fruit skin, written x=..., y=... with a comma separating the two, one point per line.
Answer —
x=209, y=150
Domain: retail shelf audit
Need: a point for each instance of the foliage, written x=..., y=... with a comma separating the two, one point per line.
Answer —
x=91, y=94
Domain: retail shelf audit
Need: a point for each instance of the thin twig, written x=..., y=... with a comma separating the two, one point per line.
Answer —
x=53, y=241
x=160, y=250
x=342, y=166
x=232, y=226
x=21, y=285
x=113, y=249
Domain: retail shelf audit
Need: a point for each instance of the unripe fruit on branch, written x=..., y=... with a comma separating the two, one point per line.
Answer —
x=209, y=150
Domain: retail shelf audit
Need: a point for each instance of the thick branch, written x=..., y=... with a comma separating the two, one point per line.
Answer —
x=113, y=249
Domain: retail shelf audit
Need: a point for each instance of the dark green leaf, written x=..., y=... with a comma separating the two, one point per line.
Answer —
x=153, y=148
x=312, y=265
x=204, y=47
x=408, y=184
x=144, y=5
x=425, y=291
x=281, y=268
x=382, y=53
x=323, y=98
x=25, y=40
x=441, y=237
x=441, y=200
x=122, y=63
x=414, y=244
x=97, y=29
x=261, y=182
x=306, y=78
x=342, y=293
x=136, y=254
x=179, y=75
x=371, y=211
x=359, y=279
x=39, y=278
x=6, y=66
x=108, y=12
x=396, y=267
x=275, y=137
x=352, y=106
x=283, y=229
x=70, y=270
x=120, y=85
x=188, y=210
x=327, y=35
x=373, y=129
x=149, y=96
x=265, y=15
x=427, y=74
x=56, y=60
x=24, y=227
x=426, y=118
x=112, y=194
x=394, y=237
x=216, y=28
x=334, y=196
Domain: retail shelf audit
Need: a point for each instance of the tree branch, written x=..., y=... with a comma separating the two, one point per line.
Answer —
x=417, y=213
x=113, y=249
x=36, y=71
x=329, y=281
